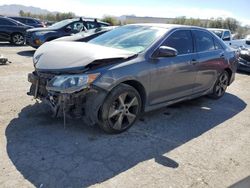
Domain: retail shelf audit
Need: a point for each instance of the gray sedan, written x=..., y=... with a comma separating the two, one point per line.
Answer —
x=113, y=78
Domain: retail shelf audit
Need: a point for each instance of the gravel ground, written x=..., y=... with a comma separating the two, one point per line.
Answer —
x=199, y=143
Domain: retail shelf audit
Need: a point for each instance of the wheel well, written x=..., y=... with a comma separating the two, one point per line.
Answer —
x=141, y=90
x=16, y=33
x=229, y=74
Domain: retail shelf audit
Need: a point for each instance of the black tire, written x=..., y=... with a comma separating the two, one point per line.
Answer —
x=17, y=39
x=220, y=86
x=120, y=109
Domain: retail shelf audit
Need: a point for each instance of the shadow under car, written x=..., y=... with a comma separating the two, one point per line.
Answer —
x=80, y=156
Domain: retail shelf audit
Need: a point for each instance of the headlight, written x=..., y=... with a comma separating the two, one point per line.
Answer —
x=40, y=33
x=71, y=83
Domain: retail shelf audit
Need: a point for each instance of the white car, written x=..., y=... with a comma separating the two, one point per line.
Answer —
x=226, y=36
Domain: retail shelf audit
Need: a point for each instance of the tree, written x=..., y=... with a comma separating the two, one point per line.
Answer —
x=21, y=13
x=111, y=20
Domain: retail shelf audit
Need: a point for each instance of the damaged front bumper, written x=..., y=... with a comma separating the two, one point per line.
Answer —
x=83, y=104
x=243, y=65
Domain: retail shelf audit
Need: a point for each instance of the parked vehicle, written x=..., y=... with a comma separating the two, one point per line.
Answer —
x=12, y=31
x=113, y=78
x=226, y=36
x=36, y=37
x=29, y=21
x=244, y=59
x=85, y=36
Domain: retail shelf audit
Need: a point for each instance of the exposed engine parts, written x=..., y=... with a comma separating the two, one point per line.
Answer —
x=83, y=104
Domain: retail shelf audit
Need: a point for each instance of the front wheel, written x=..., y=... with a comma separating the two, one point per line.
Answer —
x=120, y=109
x=220, y=86
x=17, y=39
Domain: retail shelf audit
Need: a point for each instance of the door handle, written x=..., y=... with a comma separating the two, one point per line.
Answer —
x=222, y=55
x=194, y=62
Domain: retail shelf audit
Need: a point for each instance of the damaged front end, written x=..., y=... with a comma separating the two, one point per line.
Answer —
x=70, y=96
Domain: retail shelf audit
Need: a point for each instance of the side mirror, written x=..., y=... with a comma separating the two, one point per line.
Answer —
x=165, y=51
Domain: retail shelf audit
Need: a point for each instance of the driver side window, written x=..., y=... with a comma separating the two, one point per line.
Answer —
x=180, y=40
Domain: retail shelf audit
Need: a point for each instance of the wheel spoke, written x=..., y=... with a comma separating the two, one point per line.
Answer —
x=113, y=112
x=220, y=91
x=122, y=99
x=217, y=88
x=131, y=117
x=133, y=102
x=118, y=123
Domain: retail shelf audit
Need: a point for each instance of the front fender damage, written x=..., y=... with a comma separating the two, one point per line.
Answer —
x=83, y=105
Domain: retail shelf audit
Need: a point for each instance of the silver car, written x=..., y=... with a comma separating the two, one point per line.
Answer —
x=111, y=79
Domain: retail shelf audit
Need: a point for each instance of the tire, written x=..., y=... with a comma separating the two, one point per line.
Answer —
x=220, y=86
x=120, y=109
x=17, y=39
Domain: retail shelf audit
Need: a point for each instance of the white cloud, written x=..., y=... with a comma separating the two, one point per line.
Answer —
x=84, y=9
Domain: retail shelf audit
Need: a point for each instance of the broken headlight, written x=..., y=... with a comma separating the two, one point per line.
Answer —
x=71, y=83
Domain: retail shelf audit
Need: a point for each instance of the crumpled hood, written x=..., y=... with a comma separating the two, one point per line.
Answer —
x=58, y=55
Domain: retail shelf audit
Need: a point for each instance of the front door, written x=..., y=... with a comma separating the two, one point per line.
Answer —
x=174, y=77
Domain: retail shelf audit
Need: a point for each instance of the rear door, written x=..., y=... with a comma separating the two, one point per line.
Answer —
x=6, y=28
x=174, y=77
x=210, y=56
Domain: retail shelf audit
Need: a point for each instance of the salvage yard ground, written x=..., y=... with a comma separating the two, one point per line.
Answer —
x=199, y=143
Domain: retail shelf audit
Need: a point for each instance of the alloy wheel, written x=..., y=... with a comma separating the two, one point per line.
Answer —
x=18, y=39
x=123, y=111
x=221, y=86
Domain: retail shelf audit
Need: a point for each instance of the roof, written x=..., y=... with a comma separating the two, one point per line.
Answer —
x=217, y=29
x=167, y=26
x=23, y=17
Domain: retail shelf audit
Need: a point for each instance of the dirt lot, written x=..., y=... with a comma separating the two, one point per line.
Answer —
x=200, y=143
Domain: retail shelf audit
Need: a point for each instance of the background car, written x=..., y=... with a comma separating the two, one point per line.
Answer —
x=29, y=21
x=86, y=35
x=244, y=59
x=132, y=69
x=12, y=31
x=37, y=36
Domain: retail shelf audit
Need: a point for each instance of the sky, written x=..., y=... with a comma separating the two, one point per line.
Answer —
x=202, y=9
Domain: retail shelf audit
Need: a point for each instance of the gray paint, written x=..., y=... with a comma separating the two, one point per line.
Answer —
x=165, y=80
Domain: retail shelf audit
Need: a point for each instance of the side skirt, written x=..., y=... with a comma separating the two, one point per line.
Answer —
x=168, y=103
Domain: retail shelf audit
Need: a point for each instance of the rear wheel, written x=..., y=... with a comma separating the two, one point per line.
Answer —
x=120, y=109
x=220, y=86
x=17, y=39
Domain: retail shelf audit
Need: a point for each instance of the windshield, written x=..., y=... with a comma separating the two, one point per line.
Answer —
x=133, y=38
x=60, y=24
x=217, y=32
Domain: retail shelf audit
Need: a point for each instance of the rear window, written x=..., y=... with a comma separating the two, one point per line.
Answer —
x=204, y=41
x=30, y=21
x=91, y=25
x=6, y=22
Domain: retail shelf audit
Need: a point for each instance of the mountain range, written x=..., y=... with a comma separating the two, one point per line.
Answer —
x=14, y=9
